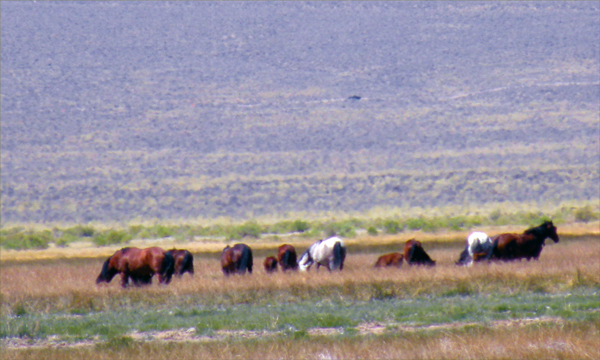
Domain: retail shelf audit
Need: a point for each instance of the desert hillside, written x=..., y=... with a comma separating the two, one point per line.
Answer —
x=117, y=111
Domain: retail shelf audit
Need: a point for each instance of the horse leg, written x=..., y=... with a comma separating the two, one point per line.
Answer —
x=124, y=279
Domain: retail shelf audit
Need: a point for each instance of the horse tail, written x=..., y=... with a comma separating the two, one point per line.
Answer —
x=285, y=260
x=167, y=267
x=339, y=253
x=188, y=263
x=105, y=274
x=245, y=261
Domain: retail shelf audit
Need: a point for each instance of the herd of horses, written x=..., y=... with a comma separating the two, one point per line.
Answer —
x=140, y=265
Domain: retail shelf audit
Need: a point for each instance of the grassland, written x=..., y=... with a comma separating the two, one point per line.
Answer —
x=550, y=307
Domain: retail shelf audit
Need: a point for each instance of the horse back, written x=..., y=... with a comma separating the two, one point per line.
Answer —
x=392, y=259
x=127, y=259
x=153, y=258
x=242, y=258
x=506, y=246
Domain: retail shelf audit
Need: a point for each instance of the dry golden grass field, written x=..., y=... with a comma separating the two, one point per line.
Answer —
x=535, y=318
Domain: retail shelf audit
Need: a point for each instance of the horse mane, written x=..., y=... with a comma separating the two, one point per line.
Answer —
x=307, y=253
x=538, y=231
x=125, y=250
x=106, y=274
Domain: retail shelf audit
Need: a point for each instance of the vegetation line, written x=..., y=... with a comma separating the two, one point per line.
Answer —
x=576, y=220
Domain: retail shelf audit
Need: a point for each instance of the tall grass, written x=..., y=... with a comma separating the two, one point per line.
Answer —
x=69, y=285
x=45, y=300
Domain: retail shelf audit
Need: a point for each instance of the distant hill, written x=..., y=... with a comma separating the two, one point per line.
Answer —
x=117, y=111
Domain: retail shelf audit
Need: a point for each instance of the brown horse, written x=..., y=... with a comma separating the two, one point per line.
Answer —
x=138, y=264
x=184, y=262
x=270, y=264
x=415, y=255
x=236, y=259
x=528, y=245
x=286, y=256
x=393, y=259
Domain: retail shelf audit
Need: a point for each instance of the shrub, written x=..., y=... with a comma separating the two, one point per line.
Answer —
x=112, y=237
x=457, y=222
x=416, y=223
x=250, y=228
x=135, y=229
x=392, y=226
x=163, y=231
x=300, y=226
x=342, y=228
x=585, y=214
x=284, y=227
x=80, y=231
x=65, y=239
x=372, y=230
x=29, y=240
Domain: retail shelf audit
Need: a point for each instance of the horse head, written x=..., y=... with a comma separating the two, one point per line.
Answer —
x=546, y=230
x=305, y=261
x=464, y=258
x=270, y=264
x=551, y=230
x=107, y=273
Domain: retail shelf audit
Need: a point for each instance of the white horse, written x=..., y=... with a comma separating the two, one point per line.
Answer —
x=329, y=252
x=477, y=243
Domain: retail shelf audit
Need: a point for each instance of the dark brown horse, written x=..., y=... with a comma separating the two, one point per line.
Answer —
x=528, y=245
x=270, y=264
x=286, y=256
x=415, y=255
x=236, y=259
x=184, y=262
x=138, y=264
x=393, y=259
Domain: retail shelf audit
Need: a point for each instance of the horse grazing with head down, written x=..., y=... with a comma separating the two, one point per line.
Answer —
x=415, y=255
x=528, y=245
x=392, y=259
x=184, y=262
x=479, y=247
x=329, y=252
x=138, y=264
x=236, y=259
x=286, y=256
x=270, y=264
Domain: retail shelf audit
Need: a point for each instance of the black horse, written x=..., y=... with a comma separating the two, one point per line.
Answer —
x=528, y=245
